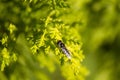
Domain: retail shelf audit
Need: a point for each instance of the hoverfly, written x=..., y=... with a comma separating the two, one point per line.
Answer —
x=63, y=48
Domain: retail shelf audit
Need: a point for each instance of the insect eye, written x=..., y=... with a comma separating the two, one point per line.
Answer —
x=62, y=45
x=59, y=42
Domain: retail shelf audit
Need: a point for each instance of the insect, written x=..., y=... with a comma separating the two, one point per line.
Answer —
x=63, y=48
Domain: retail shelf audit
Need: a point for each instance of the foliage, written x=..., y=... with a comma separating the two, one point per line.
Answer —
x=29, y=31
x=101, y=39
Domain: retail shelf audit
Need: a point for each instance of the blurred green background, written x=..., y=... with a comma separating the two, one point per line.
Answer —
x=101, y=37
x=98, y=22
